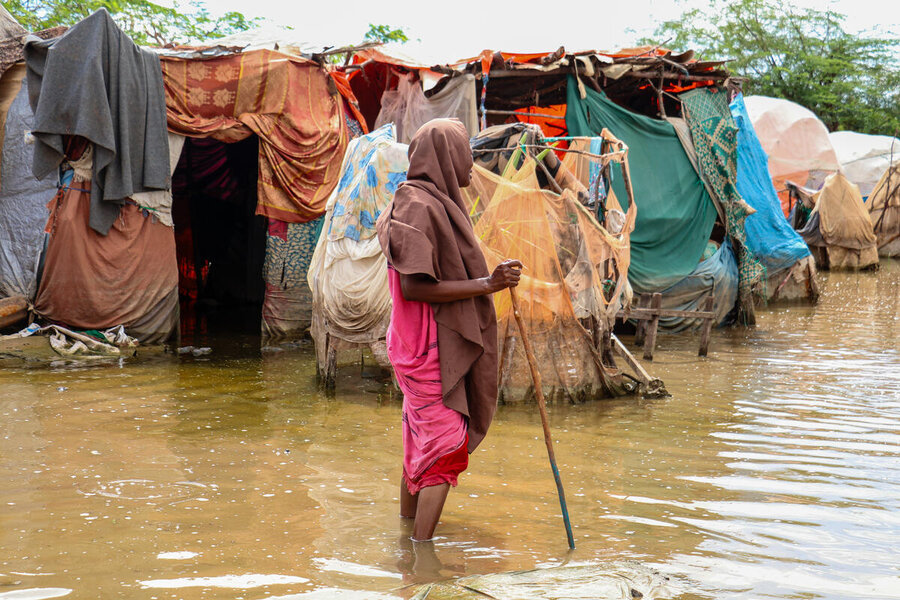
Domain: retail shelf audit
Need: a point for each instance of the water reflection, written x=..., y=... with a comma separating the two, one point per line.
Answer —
x=772, y=471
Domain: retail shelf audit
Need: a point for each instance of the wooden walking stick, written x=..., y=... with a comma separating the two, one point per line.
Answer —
x=542, y=407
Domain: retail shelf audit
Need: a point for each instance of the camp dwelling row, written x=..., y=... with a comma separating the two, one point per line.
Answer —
x=236, y=185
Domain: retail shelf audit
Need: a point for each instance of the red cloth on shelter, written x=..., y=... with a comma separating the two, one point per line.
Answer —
x=289, y=102
x=342, y=81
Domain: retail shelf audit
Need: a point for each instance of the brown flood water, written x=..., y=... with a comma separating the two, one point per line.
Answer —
x=773, y=471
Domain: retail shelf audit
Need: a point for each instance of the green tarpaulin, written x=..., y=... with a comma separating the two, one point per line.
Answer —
x=675, y=213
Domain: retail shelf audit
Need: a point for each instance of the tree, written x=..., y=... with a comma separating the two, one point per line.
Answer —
x=384, y=33
x=144, y=21
x=804, y=55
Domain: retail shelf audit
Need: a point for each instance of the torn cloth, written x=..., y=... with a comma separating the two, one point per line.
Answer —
x=96, y=83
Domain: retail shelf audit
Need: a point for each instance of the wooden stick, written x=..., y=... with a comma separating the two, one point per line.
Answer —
x=644, y=314
x=811, y=285
x=545, y=421
x=669, y=75
x=492, y=111
x=642, y=375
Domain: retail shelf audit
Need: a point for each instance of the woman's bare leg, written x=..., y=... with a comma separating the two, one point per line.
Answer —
x=408, y=502
x=430, y=502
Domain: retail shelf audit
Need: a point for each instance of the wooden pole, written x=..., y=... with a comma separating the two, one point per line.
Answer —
x=642, y=375
x=652, y=326
x=641, y=328
x=706, y=328
x=492, y=111
x=542, y=407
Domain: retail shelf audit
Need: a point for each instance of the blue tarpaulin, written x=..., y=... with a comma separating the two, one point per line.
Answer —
x=717, y=275
x=769, y=236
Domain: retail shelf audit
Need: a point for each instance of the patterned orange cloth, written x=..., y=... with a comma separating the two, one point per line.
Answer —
x=289, y=102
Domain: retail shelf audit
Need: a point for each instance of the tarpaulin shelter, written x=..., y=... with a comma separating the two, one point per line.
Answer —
x=348, y=272
x=835, y=224
x=884, y=211
x=99, y=122
x=23, y=199
x=795, y=140
x=790, y=268
x=685, y=184
x=864, y=158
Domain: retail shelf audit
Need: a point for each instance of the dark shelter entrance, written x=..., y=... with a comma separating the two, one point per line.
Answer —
x=221, y=242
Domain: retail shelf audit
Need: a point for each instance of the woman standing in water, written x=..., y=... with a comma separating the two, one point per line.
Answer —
x=442, y=339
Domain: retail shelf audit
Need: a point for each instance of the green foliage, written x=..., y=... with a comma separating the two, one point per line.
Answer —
x=146, y=22
x=804, y=55
x=384, y=33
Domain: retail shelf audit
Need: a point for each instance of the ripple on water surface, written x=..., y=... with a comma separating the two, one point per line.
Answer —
x=771, y=472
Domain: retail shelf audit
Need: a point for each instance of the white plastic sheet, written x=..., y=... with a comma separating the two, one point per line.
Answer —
x=864, y=158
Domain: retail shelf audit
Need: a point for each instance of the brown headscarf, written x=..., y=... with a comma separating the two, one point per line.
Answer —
x=427, y=230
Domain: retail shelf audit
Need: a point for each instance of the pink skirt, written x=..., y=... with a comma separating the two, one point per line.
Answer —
x=434, y=436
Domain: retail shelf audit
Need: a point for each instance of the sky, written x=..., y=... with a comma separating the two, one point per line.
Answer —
x=462, y=28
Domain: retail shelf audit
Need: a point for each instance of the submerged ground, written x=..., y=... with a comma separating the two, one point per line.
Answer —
x=771, y=472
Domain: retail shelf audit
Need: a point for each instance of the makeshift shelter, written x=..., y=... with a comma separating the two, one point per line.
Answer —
x=348, y=272
x=795, y=140
x=99, y=273
x=674, y=234
x=835, y=224
x=265, y=132
x=565, y=93
x=790, y=269
x=864, y=158
x=285, y=115
x=884, y=211
x=391, y=87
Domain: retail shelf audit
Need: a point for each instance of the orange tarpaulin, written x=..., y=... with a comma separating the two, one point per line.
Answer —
x=289, y=102
x=552, y=127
